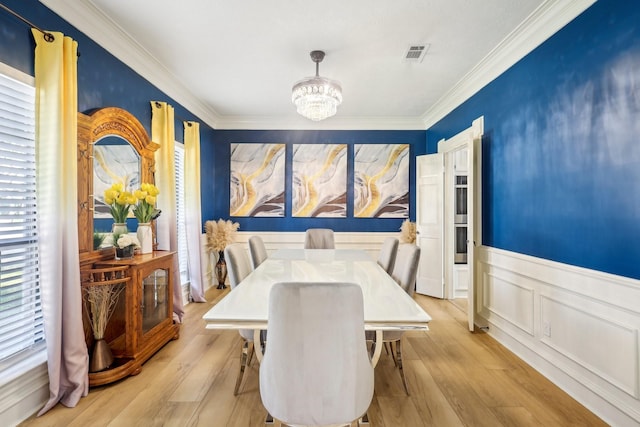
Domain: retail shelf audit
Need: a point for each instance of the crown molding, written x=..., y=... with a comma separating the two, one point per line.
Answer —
x=83, y=15
x=545, y=21
x=333, y=123
x=541, y=24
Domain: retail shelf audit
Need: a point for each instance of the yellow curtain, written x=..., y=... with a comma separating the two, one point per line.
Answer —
x=56, y=154
x=163, y=133
x=193, y=211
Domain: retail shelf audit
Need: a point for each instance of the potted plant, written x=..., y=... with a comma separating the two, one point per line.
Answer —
x=219, y=234
x=119, y=201
x=125, y=245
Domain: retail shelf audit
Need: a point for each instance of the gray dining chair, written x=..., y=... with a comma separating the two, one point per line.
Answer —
x=404, y=273
x=238, y=267
x=320, y=378
x=387, y=254
x=257, y=251
x=319, y=238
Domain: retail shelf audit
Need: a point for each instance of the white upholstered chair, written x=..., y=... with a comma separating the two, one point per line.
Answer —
x=387, y=254
x=238, y=267
x=319, y=238
x=317, y=378
x=404, y=273
x=257, y=251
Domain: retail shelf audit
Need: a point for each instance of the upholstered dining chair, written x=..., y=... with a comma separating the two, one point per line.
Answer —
x=238, y=267
x=387, y=254
x=257, y=251
x=319, y=238
x=404, y=273
x=320, y=378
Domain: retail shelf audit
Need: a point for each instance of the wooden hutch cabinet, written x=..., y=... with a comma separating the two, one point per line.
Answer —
x=142, y=319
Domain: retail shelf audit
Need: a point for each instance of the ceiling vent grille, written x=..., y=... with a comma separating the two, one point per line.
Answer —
x=416, y=52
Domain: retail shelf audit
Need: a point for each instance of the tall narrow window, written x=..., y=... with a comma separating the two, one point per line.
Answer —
x=183, y=253
x=21, y=325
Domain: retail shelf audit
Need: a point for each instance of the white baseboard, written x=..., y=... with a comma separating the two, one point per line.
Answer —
x=24, y=396
x=578, y=327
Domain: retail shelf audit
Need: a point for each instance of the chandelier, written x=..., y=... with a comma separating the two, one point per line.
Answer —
x=317, y=98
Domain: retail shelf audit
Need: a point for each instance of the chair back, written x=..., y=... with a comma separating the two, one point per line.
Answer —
x=316, y=369
x=238, y=265
x=387, y=254
x=405, y=269
x=319, y=238
x=257, y=251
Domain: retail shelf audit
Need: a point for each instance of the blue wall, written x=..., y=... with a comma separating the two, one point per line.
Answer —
x=215, y=176
x=561, y=166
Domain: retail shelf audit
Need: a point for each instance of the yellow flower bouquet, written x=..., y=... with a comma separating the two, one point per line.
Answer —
x=145, y=196
x=119, y=202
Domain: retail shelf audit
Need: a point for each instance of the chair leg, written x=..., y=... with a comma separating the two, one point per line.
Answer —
x=251, y=351
x=386, y=347
x=244, y=358
x=399, y=360
x=393, y=353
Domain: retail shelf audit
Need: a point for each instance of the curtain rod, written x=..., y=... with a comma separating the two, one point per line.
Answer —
x=188, y=122
x=47, y=36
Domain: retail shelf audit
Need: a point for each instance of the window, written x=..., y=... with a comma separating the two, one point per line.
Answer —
x=183, y=253
x=21, y=324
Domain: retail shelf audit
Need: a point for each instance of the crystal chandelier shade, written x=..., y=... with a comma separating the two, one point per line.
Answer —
x=317, y=98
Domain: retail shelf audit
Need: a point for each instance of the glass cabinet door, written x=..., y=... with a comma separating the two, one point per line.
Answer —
x=155, y=299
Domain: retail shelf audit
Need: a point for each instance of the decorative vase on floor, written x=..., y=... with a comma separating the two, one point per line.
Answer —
x=145, y=237
x=221, y=270
x=101, y=358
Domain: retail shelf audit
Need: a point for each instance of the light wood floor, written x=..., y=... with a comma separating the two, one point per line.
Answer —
x=456, y=378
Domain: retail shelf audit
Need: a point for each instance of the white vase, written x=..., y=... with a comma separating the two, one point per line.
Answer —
x=119, y=228
x=145, y=237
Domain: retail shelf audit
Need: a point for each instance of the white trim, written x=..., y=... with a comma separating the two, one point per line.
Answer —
x=16, y=74
x=25, y=395
x=584, y=331
x=548, y=18
x=87, y=18
x=543, y=22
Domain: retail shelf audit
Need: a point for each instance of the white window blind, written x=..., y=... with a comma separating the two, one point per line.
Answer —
x=183, y=253
x=21, y=324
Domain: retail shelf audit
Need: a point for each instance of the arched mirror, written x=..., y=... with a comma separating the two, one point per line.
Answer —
x=114, y=160
x=113, y=146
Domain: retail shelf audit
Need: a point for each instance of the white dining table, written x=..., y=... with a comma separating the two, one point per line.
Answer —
x=386, y=305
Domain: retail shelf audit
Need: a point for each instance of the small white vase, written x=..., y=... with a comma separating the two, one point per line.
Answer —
x=119, y=228
x=145, y=237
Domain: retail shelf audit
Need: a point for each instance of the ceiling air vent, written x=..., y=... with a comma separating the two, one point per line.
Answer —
x=416, y=53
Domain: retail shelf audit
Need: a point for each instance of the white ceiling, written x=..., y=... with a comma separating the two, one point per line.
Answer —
x=233, y=63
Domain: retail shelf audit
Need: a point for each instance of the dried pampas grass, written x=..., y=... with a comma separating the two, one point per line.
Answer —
x=408, y=232
x=220, y=234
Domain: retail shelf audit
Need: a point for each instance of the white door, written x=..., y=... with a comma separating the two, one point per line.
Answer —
x=429, y=224
x=474, y=198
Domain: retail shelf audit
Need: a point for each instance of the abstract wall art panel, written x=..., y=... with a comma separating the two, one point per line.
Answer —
x=319, y=180
x=381, y=181
x=257, y=180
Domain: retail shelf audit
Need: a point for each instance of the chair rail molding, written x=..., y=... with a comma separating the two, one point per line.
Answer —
x=578, y=327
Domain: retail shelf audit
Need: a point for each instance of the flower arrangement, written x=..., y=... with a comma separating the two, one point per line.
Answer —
x=126, y=240
x=408, y=231
x=145, y=210
x=220, y=233
x=119, y=202
x=125, y=245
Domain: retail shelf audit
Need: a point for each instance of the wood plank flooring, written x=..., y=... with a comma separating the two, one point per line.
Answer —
x=456, y=378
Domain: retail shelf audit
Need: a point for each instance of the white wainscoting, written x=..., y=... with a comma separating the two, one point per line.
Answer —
x=578, y=327
x=370, y=242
